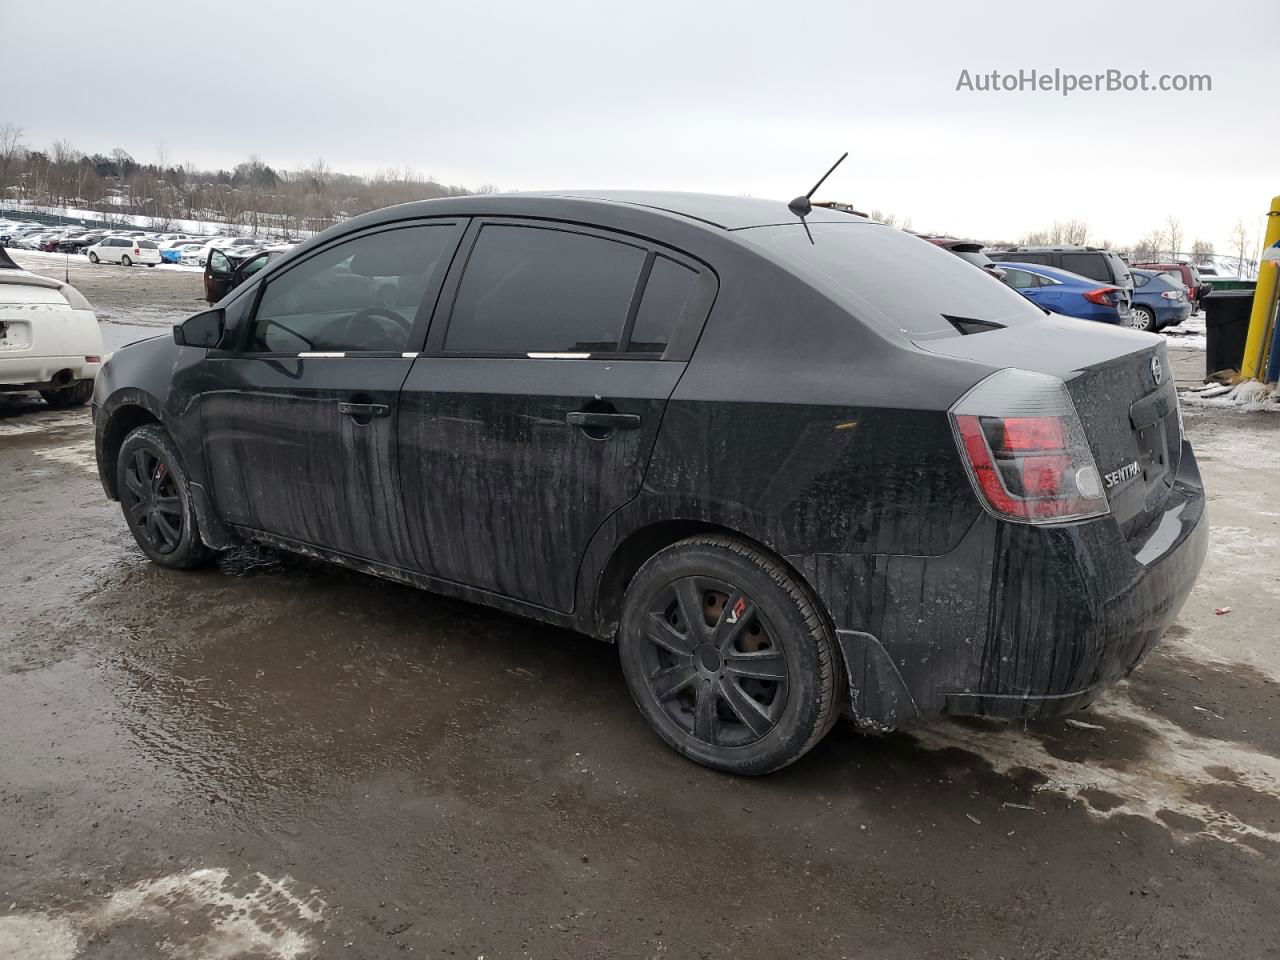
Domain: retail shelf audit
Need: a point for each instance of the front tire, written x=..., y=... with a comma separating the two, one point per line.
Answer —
x=1142, y=318
x=74, y=395
x=155, y=496
x=728, y=657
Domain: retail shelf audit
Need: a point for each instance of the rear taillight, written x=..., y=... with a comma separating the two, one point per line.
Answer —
x=1106, y=296
x=136, y=251
x=92, y=359
x=1025, y=450
x=1172, y=294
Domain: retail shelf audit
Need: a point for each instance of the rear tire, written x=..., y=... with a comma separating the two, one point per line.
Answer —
x=155, y=496
x=728, y=657
x=93, y=258
x=1142, y=318
x=72, y=395
x=125, y=261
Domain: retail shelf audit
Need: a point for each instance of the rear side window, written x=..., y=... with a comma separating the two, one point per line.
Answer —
x=1140, y=281
x=891, y=278
x=668, y=297
x=1020, y=279
x=1091, y=265
x=361, y=295
x=536, y=290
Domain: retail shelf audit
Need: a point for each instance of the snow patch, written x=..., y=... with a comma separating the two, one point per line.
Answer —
x=199, y=915
x=1165, y=779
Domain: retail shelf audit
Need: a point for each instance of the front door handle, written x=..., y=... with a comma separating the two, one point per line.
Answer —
x=363, y=411
x=603, y=421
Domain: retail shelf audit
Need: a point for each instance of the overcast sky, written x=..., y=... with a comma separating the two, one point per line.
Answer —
x=735, y=98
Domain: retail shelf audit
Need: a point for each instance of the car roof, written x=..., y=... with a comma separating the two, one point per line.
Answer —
x=715, y=210
x=1054, y=273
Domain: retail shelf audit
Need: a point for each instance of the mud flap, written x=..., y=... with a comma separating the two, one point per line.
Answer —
x=213, y=531
x=878, y=697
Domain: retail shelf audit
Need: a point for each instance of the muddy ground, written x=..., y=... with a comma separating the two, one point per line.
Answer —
x=276, y=758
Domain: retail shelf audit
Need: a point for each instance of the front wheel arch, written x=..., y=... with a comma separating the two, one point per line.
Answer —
x=122, y=421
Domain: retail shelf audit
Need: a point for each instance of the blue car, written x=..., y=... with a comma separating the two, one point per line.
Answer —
x=1159, y=300
x=1070, y=294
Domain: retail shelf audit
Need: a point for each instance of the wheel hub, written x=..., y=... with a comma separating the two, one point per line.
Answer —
x=708, y=658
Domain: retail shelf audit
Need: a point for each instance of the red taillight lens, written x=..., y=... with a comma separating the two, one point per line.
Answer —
x=1033, y=433
x=136, y=251
x=92, y=359
x=1102, y=295
x=1033, y=468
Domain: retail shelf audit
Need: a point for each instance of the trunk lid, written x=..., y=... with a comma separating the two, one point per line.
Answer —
x=1123, y=391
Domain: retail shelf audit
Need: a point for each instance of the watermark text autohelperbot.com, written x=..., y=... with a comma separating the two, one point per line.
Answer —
x=1066, y=83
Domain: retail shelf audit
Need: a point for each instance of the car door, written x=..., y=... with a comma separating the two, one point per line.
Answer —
x=531, y=416
x=299, y=423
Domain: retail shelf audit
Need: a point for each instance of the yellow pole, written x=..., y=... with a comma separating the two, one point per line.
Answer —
x=1263, y=297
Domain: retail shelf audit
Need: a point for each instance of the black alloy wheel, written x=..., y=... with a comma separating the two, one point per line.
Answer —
x=151, y=499
x=712, y=663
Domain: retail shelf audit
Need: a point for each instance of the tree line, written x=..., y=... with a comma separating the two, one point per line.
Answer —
x=254, y=196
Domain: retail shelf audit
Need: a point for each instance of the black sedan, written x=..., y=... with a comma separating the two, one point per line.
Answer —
x=793, y=466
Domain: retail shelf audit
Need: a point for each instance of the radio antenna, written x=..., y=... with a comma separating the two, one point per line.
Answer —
x=801, y=206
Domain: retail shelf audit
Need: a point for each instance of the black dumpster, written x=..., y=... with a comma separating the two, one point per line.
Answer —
x=1226, y=321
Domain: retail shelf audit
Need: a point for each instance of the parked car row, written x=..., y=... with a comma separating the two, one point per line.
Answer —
x=130, y=246
x=1090, y=283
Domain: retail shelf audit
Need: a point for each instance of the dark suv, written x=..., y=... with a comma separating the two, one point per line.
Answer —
x=1092, y=262
x=791, y=467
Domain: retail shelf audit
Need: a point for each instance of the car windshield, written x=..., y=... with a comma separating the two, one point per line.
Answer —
x=892, y=278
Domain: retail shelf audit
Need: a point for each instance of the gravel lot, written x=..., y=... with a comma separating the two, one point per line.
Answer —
x=276, y=758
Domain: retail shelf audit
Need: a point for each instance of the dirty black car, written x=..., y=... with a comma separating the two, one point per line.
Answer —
x=793, y=467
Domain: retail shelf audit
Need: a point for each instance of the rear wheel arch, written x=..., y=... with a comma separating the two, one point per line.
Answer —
x=634, y=550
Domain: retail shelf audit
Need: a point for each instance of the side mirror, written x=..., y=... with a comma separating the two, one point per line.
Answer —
x=202, y=330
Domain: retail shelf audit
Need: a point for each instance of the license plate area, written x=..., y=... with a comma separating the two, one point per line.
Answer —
x=14, y=335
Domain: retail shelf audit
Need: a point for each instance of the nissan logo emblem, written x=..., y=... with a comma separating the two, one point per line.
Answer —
x=1157, y=371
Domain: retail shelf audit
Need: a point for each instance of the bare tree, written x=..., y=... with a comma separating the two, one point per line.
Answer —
x=1242, y=244
x=1202, y=251
x=1173, y=232
x=1150, y=248
x=10, y=150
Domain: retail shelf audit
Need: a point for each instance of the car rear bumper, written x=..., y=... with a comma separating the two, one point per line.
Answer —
x=42, y=373
x=1017, y=621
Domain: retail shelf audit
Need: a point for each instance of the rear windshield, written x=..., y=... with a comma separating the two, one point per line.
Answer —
x=893, y=279
x=146, y=245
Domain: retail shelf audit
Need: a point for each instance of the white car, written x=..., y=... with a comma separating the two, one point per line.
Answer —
x=194, y=254
x=124, y=250
x=49, y=338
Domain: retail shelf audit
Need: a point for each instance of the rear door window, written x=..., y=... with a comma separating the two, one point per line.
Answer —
x=1091, y=265
x=541, y=290
x=361, y=295
x=669, y=295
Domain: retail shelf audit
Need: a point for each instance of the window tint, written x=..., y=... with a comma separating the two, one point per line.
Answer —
x=665, y=305
x=532, y=290
x=884, y=276
x=359, y=295
x=1091, y=265
x=147, y=245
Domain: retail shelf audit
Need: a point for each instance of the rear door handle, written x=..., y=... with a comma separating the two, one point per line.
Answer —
x=363, y=409
x=606, y=421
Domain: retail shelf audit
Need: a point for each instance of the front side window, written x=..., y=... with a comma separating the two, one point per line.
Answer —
x=537, y=290
x=361, y=295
